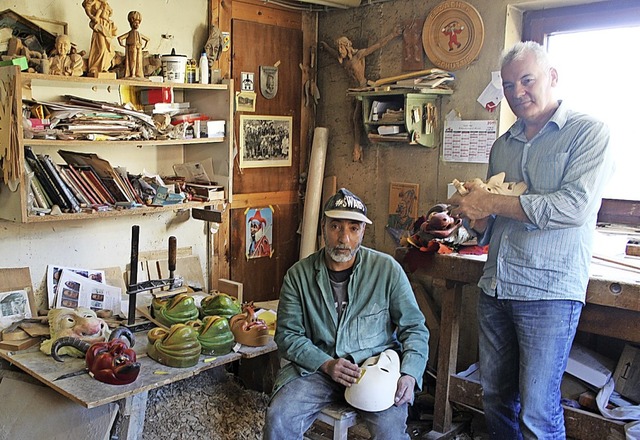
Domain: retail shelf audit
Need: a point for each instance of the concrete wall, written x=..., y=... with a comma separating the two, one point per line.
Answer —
x=386, y=163
x=106, y=242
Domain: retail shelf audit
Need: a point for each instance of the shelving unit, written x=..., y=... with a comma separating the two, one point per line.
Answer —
x=151, y=156
x=415, y=114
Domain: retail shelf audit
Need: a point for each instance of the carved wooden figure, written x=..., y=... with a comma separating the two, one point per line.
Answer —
x=353, y=61
x=134, y=43
x=101, y=52
x=64, y=62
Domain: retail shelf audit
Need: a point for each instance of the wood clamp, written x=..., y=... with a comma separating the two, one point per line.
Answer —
x=133, y=288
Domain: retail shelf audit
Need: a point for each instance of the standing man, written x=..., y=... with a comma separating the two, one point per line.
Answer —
x=338, y=307
x=540, y=246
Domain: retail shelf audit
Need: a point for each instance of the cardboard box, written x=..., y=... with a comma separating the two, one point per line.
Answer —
x=627, y=373
x=205, y=193
x=214, y=129
x=589, y=366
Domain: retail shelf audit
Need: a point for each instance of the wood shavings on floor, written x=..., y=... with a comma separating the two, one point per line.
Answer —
x=213, y=405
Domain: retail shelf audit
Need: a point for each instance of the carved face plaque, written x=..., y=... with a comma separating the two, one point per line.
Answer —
x=268, y=81
x=453, y=34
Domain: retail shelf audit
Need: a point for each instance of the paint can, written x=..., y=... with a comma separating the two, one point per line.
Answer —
x=174, y=67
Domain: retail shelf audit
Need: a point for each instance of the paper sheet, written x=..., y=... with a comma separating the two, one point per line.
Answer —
x=468, y=141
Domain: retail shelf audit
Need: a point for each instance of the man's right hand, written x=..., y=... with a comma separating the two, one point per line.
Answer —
x=342, y=371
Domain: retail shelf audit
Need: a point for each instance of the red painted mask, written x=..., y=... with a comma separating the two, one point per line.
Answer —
x=112, y=362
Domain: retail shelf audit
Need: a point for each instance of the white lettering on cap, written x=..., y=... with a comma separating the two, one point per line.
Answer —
x=350, y=202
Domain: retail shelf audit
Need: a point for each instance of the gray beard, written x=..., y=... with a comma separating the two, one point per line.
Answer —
x=338, y=257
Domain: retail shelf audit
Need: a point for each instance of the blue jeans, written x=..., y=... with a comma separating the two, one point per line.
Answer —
x=295, y=406
x=524, y=346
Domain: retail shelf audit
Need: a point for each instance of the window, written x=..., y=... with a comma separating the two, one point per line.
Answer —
x=592, y=47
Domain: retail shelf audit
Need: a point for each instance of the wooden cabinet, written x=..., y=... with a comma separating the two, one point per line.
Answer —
x=404, y=116
x=150, y=156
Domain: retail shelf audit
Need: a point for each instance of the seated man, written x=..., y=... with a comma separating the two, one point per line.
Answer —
x=338, y=307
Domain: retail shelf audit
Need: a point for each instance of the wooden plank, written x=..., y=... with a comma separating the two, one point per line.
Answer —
x=610, y=321
x=20, y=344
x=580, y=425
x=29, y=411
x=447, y=359
x=432, y=318
x=18, y=278
x=90, y=393
x=232, y=288
x=133, y=409
x=266, y=13
x=158, y=254
x=609, y=292
x=241, y=201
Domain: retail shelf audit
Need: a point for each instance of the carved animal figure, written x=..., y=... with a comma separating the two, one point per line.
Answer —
x=80, y=323
x=112, y=362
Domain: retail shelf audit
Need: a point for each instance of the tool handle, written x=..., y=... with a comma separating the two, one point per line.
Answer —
x=172, y=255
x=133, y=272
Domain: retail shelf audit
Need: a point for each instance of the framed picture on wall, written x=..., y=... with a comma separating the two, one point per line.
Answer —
x=265, y=141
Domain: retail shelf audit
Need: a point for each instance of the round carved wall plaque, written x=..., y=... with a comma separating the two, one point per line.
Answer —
x=453, y=34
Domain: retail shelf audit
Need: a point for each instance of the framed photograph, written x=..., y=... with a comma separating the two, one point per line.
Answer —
x=14, y=306
x=265, y=141
x=246, y=101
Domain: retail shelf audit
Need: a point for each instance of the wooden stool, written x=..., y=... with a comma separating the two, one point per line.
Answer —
x=340, y=418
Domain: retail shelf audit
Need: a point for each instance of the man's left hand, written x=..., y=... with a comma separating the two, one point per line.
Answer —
x=404, y=392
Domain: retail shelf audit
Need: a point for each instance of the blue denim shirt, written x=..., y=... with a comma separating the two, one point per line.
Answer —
x=382, y=313
x=565, y=167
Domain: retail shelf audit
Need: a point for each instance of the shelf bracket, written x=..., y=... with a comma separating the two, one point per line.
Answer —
x=208, y=215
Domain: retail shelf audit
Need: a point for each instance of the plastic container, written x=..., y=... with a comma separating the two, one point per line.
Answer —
x=174, y=67
x=204, y=69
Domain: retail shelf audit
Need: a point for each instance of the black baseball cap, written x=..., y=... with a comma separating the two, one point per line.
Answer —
x=346, y=205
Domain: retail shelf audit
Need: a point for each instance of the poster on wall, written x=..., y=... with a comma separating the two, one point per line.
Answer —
x=259, y=232
x=403, y=209
x=265, y=141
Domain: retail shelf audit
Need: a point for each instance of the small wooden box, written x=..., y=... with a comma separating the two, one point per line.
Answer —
x=633, y=248
x=627, y=374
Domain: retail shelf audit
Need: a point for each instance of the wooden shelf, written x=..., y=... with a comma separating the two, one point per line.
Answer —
x=123, y=144
x=120, y=212
x=213, y=100
x=29, y=77
x=415, y=105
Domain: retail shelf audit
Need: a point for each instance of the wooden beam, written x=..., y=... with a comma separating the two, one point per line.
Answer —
x=266, y=198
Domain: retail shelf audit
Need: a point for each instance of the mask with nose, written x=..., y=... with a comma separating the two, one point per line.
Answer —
x=376, y=388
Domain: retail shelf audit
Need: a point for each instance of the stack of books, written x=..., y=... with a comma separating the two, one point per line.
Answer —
x=85, y=182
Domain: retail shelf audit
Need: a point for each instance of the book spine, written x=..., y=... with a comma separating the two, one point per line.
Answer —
x=58, y=182
x=99, y=186
x=80, y=197
x=36, y=188
x=93, y=198
x=37, y=194
x=45, y=180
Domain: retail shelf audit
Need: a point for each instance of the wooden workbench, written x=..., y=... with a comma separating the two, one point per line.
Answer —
x=131, y=398
x=612, y=309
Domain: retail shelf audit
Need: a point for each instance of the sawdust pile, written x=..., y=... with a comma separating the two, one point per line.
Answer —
x=213, y=405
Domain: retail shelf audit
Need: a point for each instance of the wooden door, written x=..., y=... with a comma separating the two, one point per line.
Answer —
x=256, y=44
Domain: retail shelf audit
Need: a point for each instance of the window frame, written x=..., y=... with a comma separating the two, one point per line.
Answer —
x=538, y=24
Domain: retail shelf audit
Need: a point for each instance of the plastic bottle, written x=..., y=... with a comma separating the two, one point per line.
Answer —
x=204, y=69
